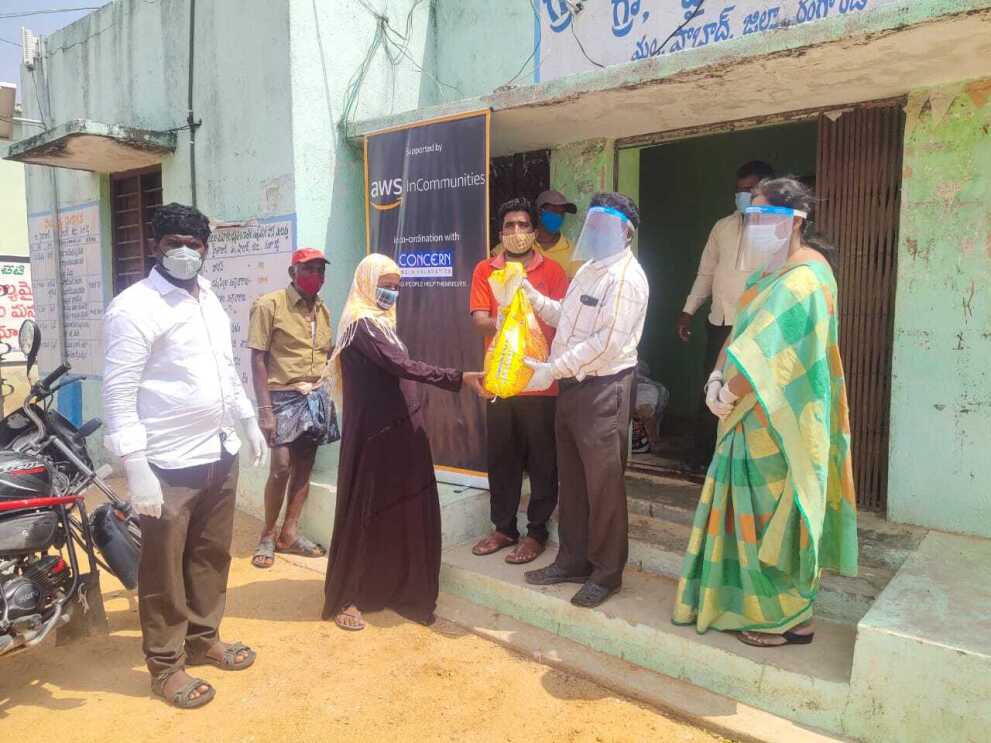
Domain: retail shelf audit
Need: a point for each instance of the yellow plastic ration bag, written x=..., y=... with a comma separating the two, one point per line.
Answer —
x=519, y=337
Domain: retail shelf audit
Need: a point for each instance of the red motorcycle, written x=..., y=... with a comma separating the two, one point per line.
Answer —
x=50, y=548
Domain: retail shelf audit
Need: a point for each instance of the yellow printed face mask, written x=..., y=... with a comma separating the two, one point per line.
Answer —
x=518, y=243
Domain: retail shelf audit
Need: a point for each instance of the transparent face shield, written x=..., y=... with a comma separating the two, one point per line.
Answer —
x=766, y=237
x=604, y=234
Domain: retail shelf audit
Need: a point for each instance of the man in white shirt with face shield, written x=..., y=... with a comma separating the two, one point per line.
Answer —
x=594, y=358
x=171, y=394
x=720, y=280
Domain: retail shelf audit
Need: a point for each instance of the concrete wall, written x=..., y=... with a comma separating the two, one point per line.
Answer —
x=580, y=170
x=941, y=386
x=13, y=207
x=477, y=46
x=328, y=43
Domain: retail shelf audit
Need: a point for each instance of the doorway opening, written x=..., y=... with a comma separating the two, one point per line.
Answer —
x=685, y=185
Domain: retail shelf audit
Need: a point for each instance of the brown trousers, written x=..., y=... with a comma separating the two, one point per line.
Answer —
x=592, y=425
x=185, y=558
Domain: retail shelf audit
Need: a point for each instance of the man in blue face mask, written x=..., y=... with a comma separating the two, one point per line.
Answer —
x=552, y=206
x=721, y=281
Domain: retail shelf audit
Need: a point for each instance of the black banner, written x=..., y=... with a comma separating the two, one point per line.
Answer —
x=426, y=206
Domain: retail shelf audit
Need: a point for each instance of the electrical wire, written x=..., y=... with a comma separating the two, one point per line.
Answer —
x=689, y=19
x=533, y=54
x=12, y=43
x=574, y=33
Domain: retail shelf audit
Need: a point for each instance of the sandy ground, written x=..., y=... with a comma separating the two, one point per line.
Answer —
x=395, y=681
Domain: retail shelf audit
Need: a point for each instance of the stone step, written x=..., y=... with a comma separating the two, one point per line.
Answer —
x=661, y=514
x=806, y=684
x=726, y=717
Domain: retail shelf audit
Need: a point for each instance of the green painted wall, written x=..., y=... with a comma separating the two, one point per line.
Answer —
x=477, y=46
x=685, y=187
x=941, y=385
x=270, y=142
x=580, y=170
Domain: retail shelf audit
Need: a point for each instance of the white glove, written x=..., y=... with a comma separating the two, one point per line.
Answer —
x=532, y=295
x=504, y=292
x=723, y=403
x=256, y=441
x=143, y=485
x=712, y=386
x=543, y=375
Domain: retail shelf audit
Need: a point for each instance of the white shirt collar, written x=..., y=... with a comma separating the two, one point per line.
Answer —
x=163, y=286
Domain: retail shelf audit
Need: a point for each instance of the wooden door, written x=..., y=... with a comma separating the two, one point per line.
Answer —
x=859, y=188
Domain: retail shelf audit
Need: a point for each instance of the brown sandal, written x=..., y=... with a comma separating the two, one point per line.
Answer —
x=492, y=543
x=182, y=698
x=527, y=551
x=356, y=623
x=229, y=662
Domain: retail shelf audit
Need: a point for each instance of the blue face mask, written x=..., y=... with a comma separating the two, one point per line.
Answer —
x=743, y=200
x=551, y=221
x=386, y=298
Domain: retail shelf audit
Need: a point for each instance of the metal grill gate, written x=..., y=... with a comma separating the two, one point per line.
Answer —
x=858, y=182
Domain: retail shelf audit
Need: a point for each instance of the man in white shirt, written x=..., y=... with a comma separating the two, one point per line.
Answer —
x=594, y=358
x=719, y=279
x=171, y=393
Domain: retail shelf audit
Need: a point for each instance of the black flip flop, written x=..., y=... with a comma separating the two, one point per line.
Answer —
x=790, y=638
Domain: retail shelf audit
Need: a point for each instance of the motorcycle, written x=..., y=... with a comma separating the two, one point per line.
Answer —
x=47, y=538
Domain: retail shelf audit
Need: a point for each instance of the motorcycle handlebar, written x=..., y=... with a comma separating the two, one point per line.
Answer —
x=54, y=376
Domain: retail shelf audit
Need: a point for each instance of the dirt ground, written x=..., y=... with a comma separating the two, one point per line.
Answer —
x=396, y=681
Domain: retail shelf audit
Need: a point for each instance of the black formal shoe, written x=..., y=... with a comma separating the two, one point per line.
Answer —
x=591, y=595
x=552, y=575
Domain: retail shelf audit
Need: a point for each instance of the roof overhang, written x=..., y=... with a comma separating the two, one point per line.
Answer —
x=833, y=65
x=95, y=147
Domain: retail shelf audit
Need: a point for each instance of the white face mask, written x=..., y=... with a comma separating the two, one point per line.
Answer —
x=182, y=263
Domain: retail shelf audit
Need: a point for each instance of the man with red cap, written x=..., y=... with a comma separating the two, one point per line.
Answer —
x=290, y=338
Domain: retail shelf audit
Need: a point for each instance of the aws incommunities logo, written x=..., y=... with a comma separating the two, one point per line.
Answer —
x=386, y=194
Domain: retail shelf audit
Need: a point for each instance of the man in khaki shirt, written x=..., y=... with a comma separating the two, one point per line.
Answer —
x=719, y=279
x=290, y=338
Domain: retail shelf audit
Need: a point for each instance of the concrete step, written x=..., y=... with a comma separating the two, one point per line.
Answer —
x=677, y=698
x=806, y=684
x=661, y=514
x=658, y=546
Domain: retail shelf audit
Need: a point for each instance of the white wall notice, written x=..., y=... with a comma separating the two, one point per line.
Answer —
x=244, y=262
x=16, y=303
x=615, y=32
x=82, y=287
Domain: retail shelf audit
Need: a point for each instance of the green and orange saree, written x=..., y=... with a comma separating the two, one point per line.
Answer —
x=778, y=504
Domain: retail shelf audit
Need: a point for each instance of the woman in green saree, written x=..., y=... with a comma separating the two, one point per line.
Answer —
x=778, y=503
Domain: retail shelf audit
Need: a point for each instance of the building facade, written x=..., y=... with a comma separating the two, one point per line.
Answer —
x=258, y=116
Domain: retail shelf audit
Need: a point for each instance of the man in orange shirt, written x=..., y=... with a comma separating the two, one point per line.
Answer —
x=521, y=428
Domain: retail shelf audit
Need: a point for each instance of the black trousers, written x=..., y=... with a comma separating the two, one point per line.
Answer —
x=593, y=423
x=185, y=558
x=521, y=436
x=706, y=423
